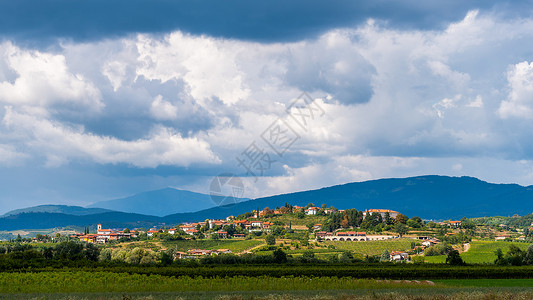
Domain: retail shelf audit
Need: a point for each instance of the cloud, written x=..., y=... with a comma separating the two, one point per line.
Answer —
x=397, y=102
x=163, y=110
x=59, y=144
x=273, y=21
x=520, y=100
x=9, y=156
x=44, y=80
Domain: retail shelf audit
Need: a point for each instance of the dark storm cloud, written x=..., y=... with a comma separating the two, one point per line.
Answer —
x=31, y=20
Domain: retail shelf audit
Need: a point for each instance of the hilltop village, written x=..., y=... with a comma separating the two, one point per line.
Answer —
x=296, y=228
x=263, y=221
x=301, y=233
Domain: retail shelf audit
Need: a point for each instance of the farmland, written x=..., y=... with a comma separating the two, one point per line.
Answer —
x=101, y=284
x=480, y=252
x=373, y=247
x=236, y=246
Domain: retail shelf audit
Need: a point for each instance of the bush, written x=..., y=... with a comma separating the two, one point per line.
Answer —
x=454, y=258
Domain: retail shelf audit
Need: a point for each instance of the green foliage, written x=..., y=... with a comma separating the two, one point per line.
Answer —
x=385, y=256
x=234, y=245
x=270, y=239
x=454, y=258
x=418, y=259
x=373, y=247
x=401, y=229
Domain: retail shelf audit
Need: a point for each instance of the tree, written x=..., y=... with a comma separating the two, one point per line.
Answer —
x=127, y=230
x=454, y=258
x=528, y=259
x=413, y=224
x=388, y=220
x=279, y=256
x=167, y=257
x=385, y=256
x=401, y=229
x=499, y=257
x=310, y=226
x=400, y=219
x=270, y=239
x=345, y=223
x=515, y=256
x=267, y=211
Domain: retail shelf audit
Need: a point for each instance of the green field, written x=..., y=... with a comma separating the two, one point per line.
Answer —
x=487, y=282
x=480, y=252
x=292, y=219
x=85, y=282
x=236, y=246
x=373, y=247
x=110, y=285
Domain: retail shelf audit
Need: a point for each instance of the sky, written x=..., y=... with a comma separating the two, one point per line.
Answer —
x=105, y=99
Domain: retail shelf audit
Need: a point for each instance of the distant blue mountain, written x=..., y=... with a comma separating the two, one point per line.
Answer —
x=161, y=202
x=42, y=220
x=430, y=197
x=62, y=209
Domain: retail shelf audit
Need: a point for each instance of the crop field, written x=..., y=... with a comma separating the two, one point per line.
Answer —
x=373, y=247
x=110, y=285
x=80, y=282
x=480, y=252
x=235, y=246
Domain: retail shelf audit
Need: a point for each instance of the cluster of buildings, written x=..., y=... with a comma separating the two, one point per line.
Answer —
x=351, y=236
x=104, y=235
x=250, y=225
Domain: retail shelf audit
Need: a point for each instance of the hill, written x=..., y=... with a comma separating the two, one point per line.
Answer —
x=39, y=220
x=430, y=197
x=62, y=209
x=160, y=202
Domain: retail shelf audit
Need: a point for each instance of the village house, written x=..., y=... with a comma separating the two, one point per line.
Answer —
x=323, y=234
x=455, y=224
x=501, y=237
x=399, y=256
x=213, y=223
x=221, y=234
x=172, y=231
x=266, y=225
x=256, y=224
x=329, y=211
x=151, y=232
x=311, y=211
x=392, y=214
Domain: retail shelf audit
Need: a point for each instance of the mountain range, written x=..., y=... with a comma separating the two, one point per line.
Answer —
x=430, y=197
x=162, y=202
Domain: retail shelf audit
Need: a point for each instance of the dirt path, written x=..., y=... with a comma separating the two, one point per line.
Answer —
x=250, y=249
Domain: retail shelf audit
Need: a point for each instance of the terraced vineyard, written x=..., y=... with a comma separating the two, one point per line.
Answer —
x=234, y=245
x=373, y=247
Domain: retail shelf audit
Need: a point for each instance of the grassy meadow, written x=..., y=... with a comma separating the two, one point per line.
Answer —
x=480, y=252
x=235, y=245
x=373, y=247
